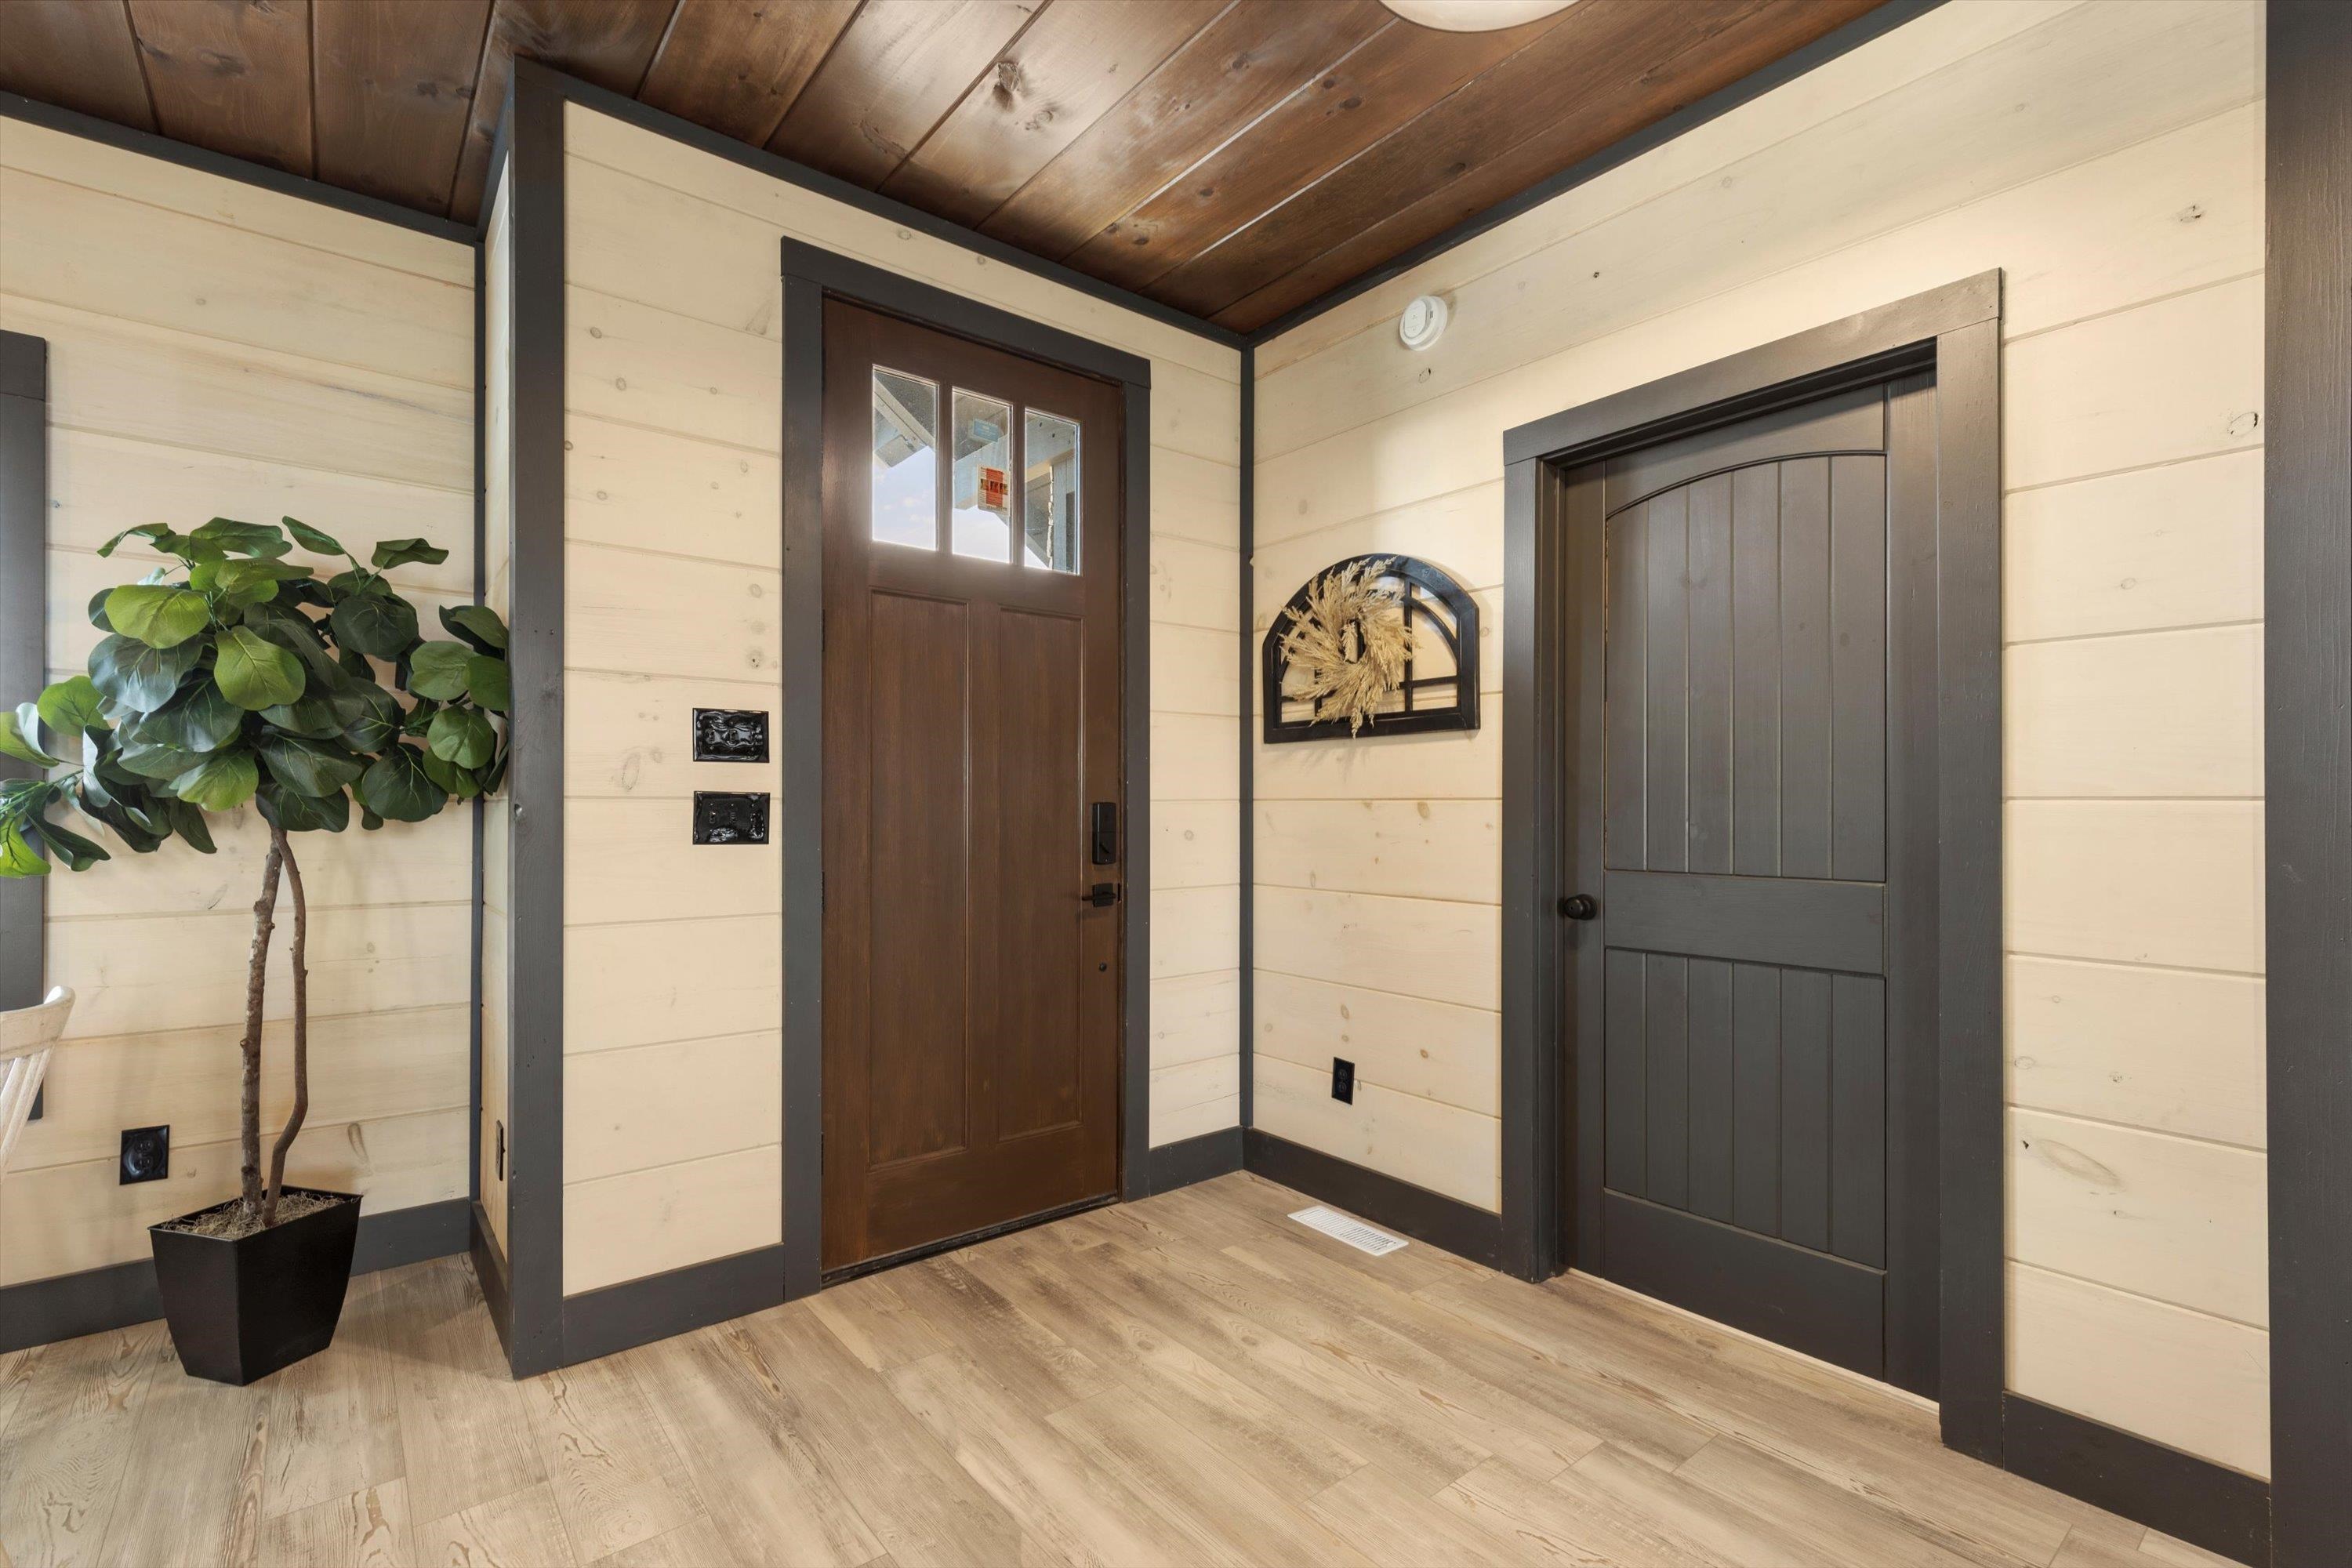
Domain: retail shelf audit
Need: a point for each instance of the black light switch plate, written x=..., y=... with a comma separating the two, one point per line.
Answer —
x=730, y=735
x=721, y=818
x=1343, y=1079
x=146, y=1154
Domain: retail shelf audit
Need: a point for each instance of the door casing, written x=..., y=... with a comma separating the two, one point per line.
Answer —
x=810, y=275
x=1953, y=334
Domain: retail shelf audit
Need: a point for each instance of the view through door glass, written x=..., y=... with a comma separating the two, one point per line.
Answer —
x=972, y=931
x=1742, y=1140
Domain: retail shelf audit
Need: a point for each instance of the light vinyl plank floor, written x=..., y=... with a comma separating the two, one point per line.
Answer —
x=1194, y=1379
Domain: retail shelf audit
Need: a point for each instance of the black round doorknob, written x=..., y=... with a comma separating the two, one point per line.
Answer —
x=1578, y=907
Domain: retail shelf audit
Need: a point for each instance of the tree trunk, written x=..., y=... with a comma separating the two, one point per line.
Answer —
x=283, y=848
x=257, y=979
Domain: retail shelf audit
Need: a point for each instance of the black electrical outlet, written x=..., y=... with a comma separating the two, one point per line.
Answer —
x=146, y=1154
x=1343, y=1079
x=722, y=818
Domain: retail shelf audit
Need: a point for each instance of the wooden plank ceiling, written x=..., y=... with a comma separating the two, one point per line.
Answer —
x=1233, y=158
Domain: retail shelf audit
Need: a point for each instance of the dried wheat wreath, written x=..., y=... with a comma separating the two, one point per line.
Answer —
x=1350, y=642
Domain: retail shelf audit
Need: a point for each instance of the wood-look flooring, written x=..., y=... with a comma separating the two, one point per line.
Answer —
x=1192, y=1379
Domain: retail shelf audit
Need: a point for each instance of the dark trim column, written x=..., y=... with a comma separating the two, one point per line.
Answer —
x=1245, y=999
x=23, y=598
x=801, y=824
x=535, y=781
x=2307, y=756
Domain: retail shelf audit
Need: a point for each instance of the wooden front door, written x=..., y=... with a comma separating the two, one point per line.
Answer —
x=1757, y=1125
x=973, y=814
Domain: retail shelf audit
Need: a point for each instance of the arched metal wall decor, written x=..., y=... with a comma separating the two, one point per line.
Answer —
x=1441, y=623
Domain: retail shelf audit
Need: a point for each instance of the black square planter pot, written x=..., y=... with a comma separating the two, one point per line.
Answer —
x=240, y=1309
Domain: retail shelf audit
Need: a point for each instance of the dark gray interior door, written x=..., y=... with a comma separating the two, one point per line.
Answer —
x=1743, y=1129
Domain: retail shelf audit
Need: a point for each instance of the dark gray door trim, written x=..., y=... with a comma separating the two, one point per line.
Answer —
x=2307, y=755
x=810, y=275
x=1952, y=332
x=1245, y=1002
x=23, y=626
x=533, y=134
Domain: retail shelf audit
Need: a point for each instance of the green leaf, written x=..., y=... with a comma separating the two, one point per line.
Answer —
x=72, y=705
x=79, y=854
x=138, y=676
x=397, y=786
x=97, y=610
x=477, y=623
x=310, y=767
x=264, y=539
x=255, y=582
x=298, y=813
x=20, y=737
x=297, y=634
x=132, y=830
x=375, y=621
x=311, y=539
x=157, y=760
x=149, y=531
x=223, y=781
x=198, y=719
x=438, y=670
x=458, y=782
x=370, y=820
x=420, y=717
x=254, y=672
x=18, y=857
x=370, y=716
x=393, y=552
x=462, y=736
x=305, y=591
x=487, y=682
x=314, y=718
x=188, y=823
x=157, y=614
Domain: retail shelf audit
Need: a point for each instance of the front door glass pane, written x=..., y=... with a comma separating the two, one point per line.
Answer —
x=1049, y=491
x=905, y=459
x=981, y=493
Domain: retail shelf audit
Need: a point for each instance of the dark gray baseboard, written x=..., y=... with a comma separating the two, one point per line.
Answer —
x=639, y=1311
x=1442, y=1221
x=490, y=1274
x=1191, y=1160
x=98, y=1300
x=2193, y=1500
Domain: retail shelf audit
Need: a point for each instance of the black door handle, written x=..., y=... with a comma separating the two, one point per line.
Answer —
x=1103, y=895
x=1578, y=907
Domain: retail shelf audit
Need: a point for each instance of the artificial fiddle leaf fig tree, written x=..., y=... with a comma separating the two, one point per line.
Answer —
x=233, y=677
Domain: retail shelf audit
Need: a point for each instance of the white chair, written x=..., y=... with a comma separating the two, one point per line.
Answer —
x=26, y=1037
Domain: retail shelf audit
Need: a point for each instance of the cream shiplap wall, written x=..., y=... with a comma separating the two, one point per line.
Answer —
x=2107, y=155
x=219, y=349
x=673, y=1005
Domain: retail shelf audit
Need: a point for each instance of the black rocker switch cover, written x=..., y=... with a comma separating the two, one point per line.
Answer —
x=1343, y=1079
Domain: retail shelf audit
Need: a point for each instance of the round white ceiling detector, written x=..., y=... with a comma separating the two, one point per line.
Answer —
x=1423, y=322
x=1475, y=15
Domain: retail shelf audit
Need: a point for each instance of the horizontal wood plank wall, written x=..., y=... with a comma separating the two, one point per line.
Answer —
x=673, y=503
x=2107, y=155
x=219, y=349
